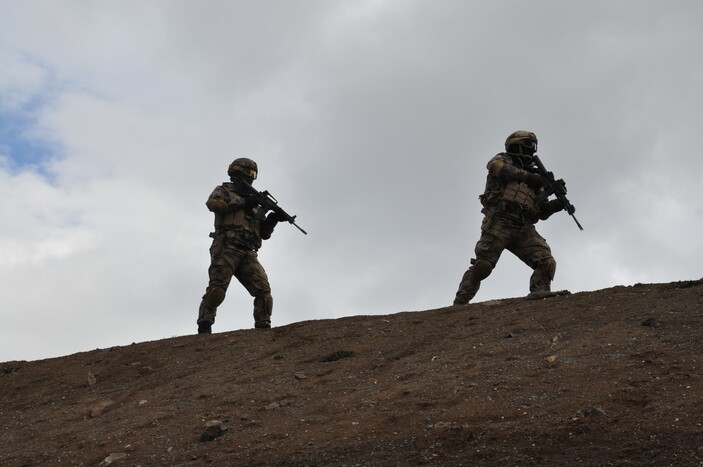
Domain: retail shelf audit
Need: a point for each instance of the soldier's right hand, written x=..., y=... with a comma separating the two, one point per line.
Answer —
x=251, y=202
x=533, y=180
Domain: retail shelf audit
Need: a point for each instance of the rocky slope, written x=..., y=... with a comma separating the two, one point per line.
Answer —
x=611, y=377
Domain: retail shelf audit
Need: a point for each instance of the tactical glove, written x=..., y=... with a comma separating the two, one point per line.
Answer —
x=555, y=205
x=278, y=216
x=251, y=202
x=533, y=180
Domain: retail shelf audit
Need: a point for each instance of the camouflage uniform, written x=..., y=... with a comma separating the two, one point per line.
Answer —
x=240, y=225
x=513, y=202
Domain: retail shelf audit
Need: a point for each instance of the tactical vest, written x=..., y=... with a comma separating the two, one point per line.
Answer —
x=241, y=219
x=518, y=195
x=513, y=200
x=242, y=226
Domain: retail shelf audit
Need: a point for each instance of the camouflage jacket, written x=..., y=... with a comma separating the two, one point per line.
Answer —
x=242, y=224
x=508, y=195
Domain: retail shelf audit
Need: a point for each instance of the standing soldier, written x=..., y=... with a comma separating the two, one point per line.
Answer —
x=240, y=225
x=514, y=200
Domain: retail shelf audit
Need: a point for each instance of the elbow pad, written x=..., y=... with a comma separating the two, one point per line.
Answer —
x=217, y=205
x=495, y=167
x=507, y=172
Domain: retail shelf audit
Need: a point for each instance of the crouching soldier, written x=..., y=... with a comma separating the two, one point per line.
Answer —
x=513, y=202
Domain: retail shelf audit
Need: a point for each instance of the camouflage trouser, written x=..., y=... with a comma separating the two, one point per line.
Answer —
x=498, y=234
x=228, y=261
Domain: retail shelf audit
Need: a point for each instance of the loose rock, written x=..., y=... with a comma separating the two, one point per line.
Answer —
x=100, y=408
x=215, y=429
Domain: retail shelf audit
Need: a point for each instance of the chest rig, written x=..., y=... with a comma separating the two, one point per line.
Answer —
x=240, y=226
x=519, y=196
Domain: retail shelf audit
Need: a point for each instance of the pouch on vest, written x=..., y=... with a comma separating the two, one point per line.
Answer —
x=240, y=218
x=518, y=193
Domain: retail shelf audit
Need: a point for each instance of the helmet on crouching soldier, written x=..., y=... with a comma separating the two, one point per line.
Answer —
x=521, y=143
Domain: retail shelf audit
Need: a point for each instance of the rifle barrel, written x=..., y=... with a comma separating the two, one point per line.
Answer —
x=577, y=222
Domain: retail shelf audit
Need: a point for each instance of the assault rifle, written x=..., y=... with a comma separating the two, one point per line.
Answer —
x=266, y=201
x=557, y=187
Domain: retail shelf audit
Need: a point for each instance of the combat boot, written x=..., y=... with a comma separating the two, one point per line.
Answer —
x=540, y=294
x=467, y=291
x=262, y=325
x=204, y=328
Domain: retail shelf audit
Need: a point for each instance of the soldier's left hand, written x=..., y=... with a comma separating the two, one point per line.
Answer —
x=556, y=205
x=281, y=217
x=271, y=218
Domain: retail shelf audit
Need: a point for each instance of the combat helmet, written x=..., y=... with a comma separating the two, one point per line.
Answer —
x=517, y=140
x=244, y=166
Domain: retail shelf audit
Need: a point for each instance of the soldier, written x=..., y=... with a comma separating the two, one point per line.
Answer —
x=240, y=225
x=513, y=201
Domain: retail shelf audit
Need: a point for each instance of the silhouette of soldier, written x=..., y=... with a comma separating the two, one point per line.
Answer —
x=513, y=202
x=240, y=225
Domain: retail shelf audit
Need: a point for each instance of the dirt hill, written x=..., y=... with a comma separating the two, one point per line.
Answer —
x=611, y=377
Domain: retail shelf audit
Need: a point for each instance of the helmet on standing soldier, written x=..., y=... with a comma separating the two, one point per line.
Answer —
x=244, y=166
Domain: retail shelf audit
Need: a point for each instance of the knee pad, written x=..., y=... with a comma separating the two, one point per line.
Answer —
x=480, y=270
x=214, y=296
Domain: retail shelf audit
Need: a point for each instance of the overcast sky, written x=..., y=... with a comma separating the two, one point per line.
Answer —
x=371, y=120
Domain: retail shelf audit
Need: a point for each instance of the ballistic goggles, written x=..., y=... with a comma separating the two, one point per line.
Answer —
x=249, y=172
x=529, y=144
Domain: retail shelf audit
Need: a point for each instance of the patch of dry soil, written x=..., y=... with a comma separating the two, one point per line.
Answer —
x=611, y=377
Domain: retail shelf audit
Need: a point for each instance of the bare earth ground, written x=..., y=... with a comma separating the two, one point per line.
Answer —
x=611, y=377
